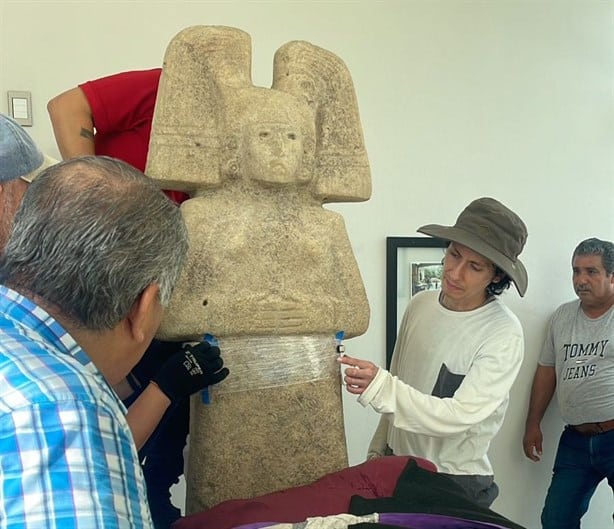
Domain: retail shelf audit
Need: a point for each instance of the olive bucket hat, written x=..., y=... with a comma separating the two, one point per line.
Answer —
x=494, y=231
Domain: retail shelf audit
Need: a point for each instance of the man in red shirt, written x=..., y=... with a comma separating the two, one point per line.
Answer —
x=109, y=116
x=112, y=116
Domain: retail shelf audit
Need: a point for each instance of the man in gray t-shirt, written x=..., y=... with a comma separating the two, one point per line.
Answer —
x=577, y=361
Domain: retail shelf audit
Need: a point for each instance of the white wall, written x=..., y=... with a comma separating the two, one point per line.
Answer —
x=458, y=99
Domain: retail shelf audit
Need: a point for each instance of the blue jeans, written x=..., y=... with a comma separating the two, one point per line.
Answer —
x=581, y=463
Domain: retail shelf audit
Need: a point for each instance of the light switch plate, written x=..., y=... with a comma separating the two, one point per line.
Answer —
x=20, y=107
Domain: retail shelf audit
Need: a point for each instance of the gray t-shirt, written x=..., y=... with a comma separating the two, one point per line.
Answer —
x=582, y=351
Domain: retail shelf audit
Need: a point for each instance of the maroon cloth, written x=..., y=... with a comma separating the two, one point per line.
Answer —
x=329, y=495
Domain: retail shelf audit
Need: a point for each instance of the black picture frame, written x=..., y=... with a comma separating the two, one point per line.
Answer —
x=404, y=258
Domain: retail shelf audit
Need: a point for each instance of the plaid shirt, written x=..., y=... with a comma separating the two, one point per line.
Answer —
x=67, y=458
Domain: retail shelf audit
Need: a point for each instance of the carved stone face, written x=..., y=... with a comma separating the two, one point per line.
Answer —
x=273, y=152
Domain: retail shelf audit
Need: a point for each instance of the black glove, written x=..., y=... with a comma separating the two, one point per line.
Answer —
x=190, y=370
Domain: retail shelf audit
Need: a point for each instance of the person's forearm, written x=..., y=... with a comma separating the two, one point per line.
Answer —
x=146, y=412
x=72, y=122
x=544, y=384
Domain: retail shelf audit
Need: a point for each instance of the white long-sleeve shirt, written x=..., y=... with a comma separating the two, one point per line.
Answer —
x=447, y=391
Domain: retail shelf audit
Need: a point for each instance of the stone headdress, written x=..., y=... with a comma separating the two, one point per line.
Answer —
x=206, y=96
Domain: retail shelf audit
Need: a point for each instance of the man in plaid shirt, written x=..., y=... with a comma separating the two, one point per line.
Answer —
x=94, y=253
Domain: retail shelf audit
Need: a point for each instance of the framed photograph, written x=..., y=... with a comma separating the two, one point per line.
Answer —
x=413, y=264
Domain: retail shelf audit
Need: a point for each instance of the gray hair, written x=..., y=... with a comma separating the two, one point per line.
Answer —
x=90, y=235
x=594, y=246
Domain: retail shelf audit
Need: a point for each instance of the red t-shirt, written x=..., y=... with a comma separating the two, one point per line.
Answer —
x=122, y=110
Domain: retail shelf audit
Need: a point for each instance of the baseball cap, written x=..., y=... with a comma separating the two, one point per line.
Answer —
x=19, y=155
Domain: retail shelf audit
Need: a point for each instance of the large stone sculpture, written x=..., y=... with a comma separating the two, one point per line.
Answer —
x=271, y=273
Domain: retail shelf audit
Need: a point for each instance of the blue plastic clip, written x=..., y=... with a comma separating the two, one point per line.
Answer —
x=205, y=396
x=339, y=338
